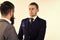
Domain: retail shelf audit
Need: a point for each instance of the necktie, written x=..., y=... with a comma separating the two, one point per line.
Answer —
x=31, y=19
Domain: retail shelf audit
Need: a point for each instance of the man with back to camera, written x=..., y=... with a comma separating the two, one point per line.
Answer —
x=32, y=28
x=7, y=31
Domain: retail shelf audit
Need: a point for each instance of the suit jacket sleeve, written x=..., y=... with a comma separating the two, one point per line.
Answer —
x=42, y=31
x=10, y=33
x=20, y=34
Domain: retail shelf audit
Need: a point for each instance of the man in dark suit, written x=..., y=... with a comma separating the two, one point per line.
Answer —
x=7, y=31
x=32, y=28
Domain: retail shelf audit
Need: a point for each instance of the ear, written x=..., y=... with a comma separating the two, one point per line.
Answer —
x=10, y=13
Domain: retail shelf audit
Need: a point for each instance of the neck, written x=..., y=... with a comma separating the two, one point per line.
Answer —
x=5, y=17
x=33, y=16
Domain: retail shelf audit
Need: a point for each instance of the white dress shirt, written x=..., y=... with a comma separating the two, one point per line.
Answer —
x=33, y=18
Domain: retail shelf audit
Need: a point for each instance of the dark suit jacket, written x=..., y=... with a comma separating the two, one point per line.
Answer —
x=33, y=31
x=7, y=31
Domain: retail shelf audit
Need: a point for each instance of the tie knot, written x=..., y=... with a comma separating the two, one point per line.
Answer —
x=31, y=19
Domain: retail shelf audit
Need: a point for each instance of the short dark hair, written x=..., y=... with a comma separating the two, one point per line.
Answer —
x=5, y=7
x=34, y=3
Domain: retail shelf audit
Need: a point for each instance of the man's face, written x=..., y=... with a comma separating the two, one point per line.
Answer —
x=12, y=20
x=33, y=10
x=12, y=17
x=12, y=12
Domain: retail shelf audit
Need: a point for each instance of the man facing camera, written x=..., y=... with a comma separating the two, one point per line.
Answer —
x=32, y=28
x=7, y=31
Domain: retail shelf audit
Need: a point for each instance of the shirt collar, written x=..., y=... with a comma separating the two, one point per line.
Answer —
x=34, y=17
x=6, y=20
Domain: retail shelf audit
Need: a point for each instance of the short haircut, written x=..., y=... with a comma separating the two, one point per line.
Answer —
x=33, y=3
x=6, y=7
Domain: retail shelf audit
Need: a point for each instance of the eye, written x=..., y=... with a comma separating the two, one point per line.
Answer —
x=32, y=8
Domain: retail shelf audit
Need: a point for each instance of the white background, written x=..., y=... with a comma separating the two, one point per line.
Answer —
x=48, y=10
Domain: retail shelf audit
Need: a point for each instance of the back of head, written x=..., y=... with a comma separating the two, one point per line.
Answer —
x=5, y=7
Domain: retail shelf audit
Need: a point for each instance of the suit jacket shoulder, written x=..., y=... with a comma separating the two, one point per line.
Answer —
x=9, y=32
x=42, y=20
x=25, y=19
